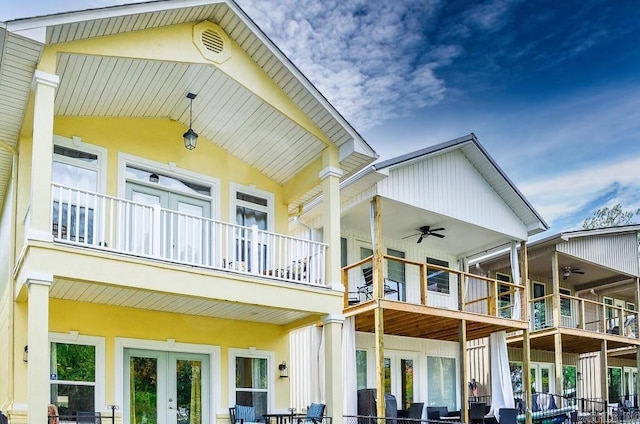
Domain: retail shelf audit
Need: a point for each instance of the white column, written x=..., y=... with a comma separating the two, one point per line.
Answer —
x=44, y=85
x=333, y=367
x=330, y=176
x=38, y=343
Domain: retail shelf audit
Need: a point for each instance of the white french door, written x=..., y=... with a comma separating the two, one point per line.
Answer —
x=166, y=387
x=543, y=378
x=184, y=234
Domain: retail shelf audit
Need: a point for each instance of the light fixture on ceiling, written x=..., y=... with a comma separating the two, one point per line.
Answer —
x=154, y=178
x=190, y=137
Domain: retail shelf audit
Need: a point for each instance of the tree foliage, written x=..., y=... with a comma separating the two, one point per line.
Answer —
x=610, y=217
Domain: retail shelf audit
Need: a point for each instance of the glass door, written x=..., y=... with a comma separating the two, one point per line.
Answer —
x=166, y=387
x=542, y=378
x=539, y=307
x=398, y=377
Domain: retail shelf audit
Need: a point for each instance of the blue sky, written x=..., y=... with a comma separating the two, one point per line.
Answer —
x=551, y=89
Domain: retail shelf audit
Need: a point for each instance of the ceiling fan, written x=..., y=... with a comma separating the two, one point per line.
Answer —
x=568, y=270
x=426, y=231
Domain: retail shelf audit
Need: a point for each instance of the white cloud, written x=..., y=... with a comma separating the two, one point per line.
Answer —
x=565, y=194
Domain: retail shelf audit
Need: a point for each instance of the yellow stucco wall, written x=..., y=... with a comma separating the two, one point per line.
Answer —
x=111, y=322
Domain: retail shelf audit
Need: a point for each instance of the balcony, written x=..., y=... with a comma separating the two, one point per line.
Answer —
x=432, y=300
x=97, y=221
x=584, y=314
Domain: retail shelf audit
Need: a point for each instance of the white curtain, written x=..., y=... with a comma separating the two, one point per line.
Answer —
x=350, y=394
x=321, y=370
x=501, y=390
x=516, y=312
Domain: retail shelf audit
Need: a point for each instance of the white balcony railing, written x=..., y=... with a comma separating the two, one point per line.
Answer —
x=110, y=223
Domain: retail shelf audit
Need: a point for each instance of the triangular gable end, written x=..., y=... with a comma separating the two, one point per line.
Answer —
x=615, y=251
x=450, y=185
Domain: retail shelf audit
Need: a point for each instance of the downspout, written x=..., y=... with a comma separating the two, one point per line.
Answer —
x=12, y=253
x=14, y=184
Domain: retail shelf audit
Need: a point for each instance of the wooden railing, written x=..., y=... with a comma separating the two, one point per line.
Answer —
x=88, y=219
x=584, y=314
x=434, y=285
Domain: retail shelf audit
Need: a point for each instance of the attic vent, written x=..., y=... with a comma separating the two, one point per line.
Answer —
x=212, y=41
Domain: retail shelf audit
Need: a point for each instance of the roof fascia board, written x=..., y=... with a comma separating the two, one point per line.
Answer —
x=367, y=149
x=421, y=154
x=23, y=24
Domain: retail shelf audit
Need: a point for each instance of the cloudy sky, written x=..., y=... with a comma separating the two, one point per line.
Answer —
x=551, y=89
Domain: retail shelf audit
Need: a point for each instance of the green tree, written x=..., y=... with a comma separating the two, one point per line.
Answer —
x=610, y=217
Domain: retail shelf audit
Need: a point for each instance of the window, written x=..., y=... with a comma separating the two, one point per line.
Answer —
x=396, y=272
x=437, y=280
x=343, y=252
x=251, y=206
x=252, y=380
x=76, y=166
x=614, y=381
x=76, y=373
x=565, y=304
x=441, y=381
x=515, y=369
x=504, y=300
x=361, y=369
x=569, y=381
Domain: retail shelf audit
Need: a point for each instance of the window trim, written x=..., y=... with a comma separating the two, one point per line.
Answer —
x=172, y=170
x=76, y=143
x=567, y=292
x=73, y=337
x=235, y=188
x=253, y=353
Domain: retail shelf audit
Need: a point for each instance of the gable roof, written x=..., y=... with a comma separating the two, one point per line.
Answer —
x=26, y=38
x=574, y=234
x=487, y=167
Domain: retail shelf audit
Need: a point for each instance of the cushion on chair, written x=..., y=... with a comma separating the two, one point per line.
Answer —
x=245, y=413
x=316, y=410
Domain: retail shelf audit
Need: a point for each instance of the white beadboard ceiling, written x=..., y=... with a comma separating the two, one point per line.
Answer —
x=100, y=86
x=167, y=302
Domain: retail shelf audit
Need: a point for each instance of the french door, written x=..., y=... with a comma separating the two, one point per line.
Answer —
x=166, y=387
x=543, y=378
x=184, y=234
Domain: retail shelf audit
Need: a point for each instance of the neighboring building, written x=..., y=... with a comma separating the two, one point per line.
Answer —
x=411, y=298
x=583, y=303
x=168, y=275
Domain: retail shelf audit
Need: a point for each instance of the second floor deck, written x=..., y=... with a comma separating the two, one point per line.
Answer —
x=431, y=301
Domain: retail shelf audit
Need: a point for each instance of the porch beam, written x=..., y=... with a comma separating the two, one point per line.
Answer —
x=44, y=85
x=38, y=347
x=378, y=283
x=526, y=346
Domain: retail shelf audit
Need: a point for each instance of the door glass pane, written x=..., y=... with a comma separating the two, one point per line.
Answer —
x=615, y=384
x=544, y=377
x=533, y=381
x=569, y=382
x=189, y=391
x=141, y=219
x=75, y=176
x=406, y=367
x=387, y=375
x=143, y=382
x=361, y=368
x=515, y=369
x=189, y=233
x=396, y=272
x=441, y=381
x=539, y=307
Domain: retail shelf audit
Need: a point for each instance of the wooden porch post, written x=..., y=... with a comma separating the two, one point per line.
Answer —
x=637, y=388
x=557, y=342
x=464, y=372
x=604, y=372
x=378, y=285
x=526, y=347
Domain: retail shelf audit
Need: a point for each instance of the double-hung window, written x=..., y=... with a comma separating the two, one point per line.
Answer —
x=77, y=373
x=76, y=174
x=252, y=380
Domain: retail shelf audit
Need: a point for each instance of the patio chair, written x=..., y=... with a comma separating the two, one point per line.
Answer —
x=242, y=414
x=508, y=415
x=315, y=414
x=477, y=411
x=367, y=288
x=434, y=413
x=415, y=410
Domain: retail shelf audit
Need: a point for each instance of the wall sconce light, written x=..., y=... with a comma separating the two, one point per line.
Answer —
x=284, y=372
x=25, y=354
x=190, y=137
x=154, y=178
x=579, y=376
